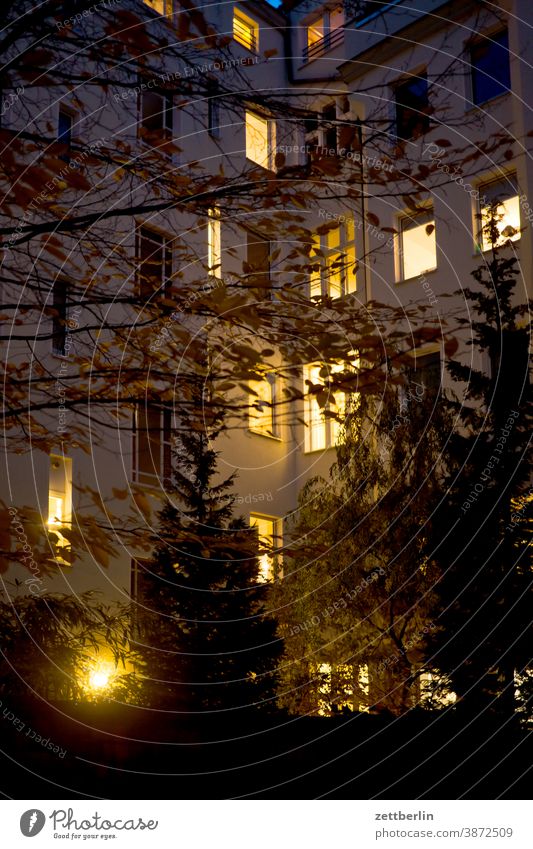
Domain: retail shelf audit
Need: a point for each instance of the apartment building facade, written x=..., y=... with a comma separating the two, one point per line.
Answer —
x=401, y=94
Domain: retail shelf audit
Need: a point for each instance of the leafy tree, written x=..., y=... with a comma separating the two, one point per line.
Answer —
x=356, y=598
x=482, y=541
x=207, y=640
x=53, y=646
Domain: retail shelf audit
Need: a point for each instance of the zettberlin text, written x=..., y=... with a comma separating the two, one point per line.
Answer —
x=400, y=815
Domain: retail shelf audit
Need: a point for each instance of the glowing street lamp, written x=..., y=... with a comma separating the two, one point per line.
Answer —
x=100, y=676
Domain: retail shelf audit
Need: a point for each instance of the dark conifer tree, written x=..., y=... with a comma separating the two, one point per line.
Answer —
x=209, y=644
x=483, y=526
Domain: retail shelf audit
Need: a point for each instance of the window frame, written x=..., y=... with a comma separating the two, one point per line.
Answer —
x=213, y=109
x=59, y=322
x=259, y=429
x=270, y=142
x=404, y=218
x=329, y=426
x=331, y=38
x=60, y=489
x=214, y=243
x=507, y=182
x=145, y=232
x=345, y=271
x=247, y=24
x=419, y=115
x=426, y=360
x=65, y=112
x=254, y=238
x=265, y=574
x=172, y=5
x=489, y=40
x=164, y=133
x=161, y=474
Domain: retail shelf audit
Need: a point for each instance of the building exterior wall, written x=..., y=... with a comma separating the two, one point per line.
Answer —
x=362, y=68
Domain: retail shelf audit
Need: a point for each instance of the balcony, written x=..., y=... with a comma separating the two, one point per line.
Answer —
x=328, y=42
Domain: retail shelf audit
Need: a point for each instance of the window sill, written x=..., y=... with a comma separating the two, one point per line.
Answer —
x=270, y=436
x=479, y=251
x=308, y=451
x=475, y=107
x=255, y=164
x=416, y=277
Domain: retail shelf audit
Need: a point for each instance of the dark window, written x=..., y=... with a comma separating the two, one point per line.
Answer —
x=59, y=320
x=329, y=124
x=156, y=115
x=152, y=447
x=141, y=593
x=155, y=263
x=412, y=119
x=425, y=375
x=258, y=259
x=489, y=60
x=213, y=110
x=64, y=134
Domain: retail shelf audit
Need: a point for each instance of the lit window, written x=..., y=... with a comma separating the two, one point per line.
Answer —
x=262, y=409
x=335, y=688
x=152, y=448
x=60, y=499
x=321, y=430
x=418, y=245
x=500, y=198
x=245, y=30
x=260, y=139
x=162, y=7
x=269, y=533
x=333, y=262
x=59, y=319
x=411, y=98
x=155, y=263
x=489, y=61
x=64, y=133
x=156, y=116
x=324, y=33
x=214, y=244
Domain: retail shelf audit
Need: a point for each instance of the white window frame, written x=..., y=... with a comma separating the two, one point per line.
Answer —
x=507, y=189
x=60, y=500
x=160, y=240
x=321, y=431
x=425, y=219
x=263, y=397
x=320, y=281
x=166, y=132
x=163, y=443
x=271, y=540
x=214, y=243
x=269, y=138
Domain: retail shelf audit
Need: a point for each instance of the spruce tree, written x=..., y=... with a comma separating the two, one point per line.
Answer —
x=482, y=544
x=209, y=643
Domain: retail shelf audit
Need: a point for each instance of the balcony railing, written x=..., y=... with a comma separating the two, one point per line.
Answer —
x=331, y=39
